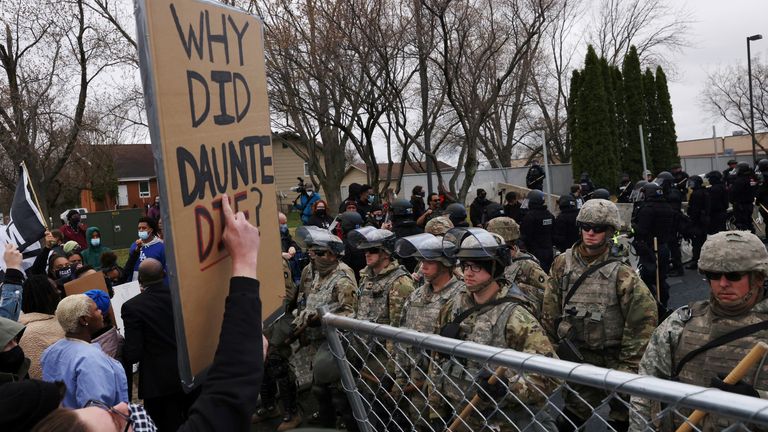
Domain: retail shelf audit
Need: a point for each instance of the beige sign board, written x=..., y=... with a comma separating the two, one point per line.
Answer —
x=86, y=283
x=202, y=66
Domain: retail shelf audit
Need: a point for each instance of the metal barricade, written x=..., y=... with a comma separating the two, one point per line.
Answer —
x=398, y=379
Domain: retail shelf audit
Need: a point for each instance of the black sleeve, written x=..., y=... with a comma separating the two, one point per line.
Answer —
x=129, y=265
x=134, y=335
x=38, y=267
x=230, y=391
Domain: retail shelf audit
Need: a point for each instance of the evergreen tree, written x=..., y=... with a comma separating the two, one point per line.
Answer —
x=621, y=118
x=634, y=106
x=652, y=122
x=667, y=138
x=593, y=149
x=573, y=100
x=610, y=97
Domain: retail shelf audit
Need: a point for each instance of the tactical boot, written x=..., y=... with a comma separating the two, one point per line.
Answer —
x=265, y=413
x=291, y=420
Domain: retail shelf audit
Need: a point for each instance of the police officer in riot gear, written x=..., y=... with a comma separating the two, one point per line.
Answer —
x=536, y=229
x=534, y=179
x=404, y=225
x=762, y=188
x=741, y=194
x=624, y=191
x=675, y=198
x=698, y=214
x=333, y=287
x=680, y=179
x=565, y=232
x=349, y=221
x=654, y=230
x=457, y=213
x=718, y=202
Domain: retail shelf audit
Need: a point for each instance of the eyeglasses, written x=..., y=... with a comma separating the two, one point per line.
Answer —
x=320, y=253
x=597, y=229
x=472, y=266
x=731, y=276
x=109, y=409
x=373, y=250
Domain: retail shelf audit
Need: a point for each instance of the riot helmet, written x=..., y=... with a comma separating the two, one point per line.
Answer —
x=742, y=168
x=651, y=190
x=566, y=202
x=492, y=211
x=457, y=213
x=312, y=237
x=402, y=208
x=695, y=182
x=477, y=244
x=423, y=246
x=371, y=237
x=762, y=165
x=350, y=220
x=535, y=199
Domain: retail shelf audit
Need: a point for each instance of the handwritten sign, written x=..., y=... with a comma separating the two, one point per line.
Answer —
x=204, y=80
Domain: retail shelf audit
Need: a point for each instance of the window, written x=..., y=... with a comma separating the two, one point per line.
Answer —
x=144, y=189
x=306, y=169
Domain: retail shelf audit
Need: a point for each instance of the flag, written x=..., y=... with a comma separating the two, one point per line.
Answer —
x=26, y=226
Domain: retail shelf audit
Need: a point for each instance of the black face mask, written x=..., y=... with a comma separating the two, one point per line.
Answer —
x=320, y=212
x=63, y=273
x=75, y=221
x=11, y=360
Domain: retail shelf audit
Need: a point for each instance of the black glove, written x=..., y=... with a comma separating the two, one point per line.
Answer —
x=740, y=387
x=490, y=392
x=314, y=320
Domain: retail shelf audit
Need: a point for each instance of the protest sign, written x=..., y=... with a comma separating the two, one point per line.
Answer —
x=202, y=65
x=123, y=293
x=86, y=283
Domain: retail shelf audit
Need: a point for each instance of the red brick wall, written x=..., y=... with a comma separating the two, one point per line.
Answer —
x=133, y=194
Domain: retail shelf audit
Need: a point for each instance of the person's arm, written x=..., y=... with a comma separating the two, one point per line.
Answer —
x=230, y=391
x=133, y=256
x=12, y=290
x=41, y=261
x=553, y=296
x=95, y=380
x=133, y=348
x=640, y=318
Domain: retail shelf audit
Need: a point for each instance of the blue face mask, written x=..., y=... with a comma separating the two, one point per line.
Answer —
x=371, y=198
x=95, y=242
x=143, y=235
x=283, y=228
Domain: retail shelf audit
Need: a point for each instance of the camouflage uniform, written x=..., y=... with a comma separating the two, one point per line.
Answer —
x=690, y=327
x=420, y=312
x=613, y=314
x=507, y=325
x=526, y=272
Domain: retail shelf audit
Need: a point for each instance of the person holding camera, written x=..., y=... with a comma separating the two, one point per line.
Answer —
x=306, y=199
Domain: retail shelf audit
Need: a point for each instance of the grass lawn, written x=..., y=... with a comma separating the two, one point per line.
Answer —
x=122, y=256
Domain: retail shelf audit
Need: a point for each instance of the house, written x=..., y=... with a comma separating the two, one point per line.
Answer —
x=735, y=145
x=358, y=173
x=134, y=168
x=288, y=167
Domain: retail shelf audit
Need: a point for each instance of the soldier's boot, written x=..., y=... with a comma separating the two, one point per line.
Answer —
x=268, y=409
x=326, y=413
x=288, y=397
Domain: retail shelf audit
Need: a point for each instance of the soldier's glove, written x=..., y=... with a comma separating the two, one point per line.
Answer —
x=313, y=320
x=740, y=387
x=490, y=392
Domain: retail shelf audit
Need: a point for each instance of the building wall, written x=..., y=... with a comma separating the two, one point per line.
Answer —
x=726, y=146
x=287, y=166
x=133, y=194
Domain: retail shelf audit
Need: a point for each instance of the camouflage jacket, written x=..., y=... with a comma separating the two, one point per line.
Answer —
x=690, y=327
x=381, y=296
x=506, y=325
x=420, y=313
x=334, y=289
x=526, y=272
x=613, y=293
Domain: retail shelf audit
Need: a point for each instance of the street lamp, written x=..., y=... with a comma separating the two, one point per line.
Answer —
x=751, y=109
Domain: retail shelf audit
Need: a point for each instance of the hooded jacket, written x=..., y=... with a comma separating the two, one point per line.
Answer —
x=92, y=255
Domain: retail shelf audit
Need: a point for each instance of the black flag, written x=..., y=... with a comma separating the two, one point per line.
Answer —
x=27, y=225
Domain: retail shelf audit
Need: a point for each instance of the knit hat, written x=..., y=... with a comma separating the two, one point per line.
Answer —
x=71, y=246
x=100, y=298
x=27, y=402
x=9, y=329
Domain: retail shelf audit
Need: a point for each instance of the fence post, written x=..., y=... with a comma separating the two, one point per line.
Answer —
x=347, y=379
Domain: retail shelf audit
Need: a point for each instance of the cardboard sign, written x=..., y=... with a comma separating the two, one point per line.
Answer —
x=123, y=293
x=202, y=66
x=86, y=283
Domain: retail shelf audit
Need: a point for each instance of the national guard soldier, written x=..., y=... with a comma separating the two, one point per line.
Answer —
x=524, y=270
x=333, y=287
x=492, y=312
x=420, y=313
x=278, y=373
x=701, y=343
x=599, y=311
x=384, y=286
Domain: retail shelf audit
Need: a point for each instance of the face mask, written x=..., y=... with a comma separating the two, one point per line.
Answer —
x=283, y=228
x=140, y=420
x=95, y=242
x=63, y=273
x=11, y=360
x=421, y=194
x=370, y=199
x=320, y=212
x=143, y=235
x=379, y=218
x=309, y=193
x=75, y=220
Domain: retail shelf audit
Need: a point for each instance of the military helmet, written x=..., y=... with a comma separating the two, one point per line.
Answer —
x=566, y=202
x=600, y=212
x=372, y=237
x=312, y=237
x=734, y=251
x=438, y=226
x=476, y=244
x=402, y=207
x=456, y=212
x=640, y=184
x=651, y=190
x=506, y=227
x=350, y=220
x=664, y=177
x=762, y=165
x=601, y=194
x=492, y=211
x=423, y=247
x=535, y=197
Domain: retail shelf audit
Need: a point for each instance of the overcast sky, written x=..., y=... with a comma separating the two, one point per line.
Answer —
x=719, y=39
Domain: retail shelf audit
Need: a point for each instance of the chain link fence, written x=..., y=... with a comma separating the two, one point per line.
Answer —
x=401, y=380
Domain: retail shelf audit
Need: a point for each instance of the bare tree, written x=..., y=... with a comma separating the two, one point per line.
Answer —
x=50, y=54
x=655, y=27
x=726, y=96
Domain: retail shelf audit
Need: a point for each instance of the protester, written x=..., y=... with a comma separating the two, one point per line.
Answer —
x=41, y=297
x=477, y=208
x=154, y=211
x=306, y=201
x=11, y=294
x=147, y=246
x=417, y=201
x=229, y=394
x=13, y=363
x=320, y=217
x=445, y=195
x=107, y=338
x=364, y=201
x=150, y=340
x=74, y=230
x=534, y=179
x=75, y=259
x=512, y=207
x=27, y=402
x=92, y=254
x=109, y=267
x=431, y=212
x=88, y=373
